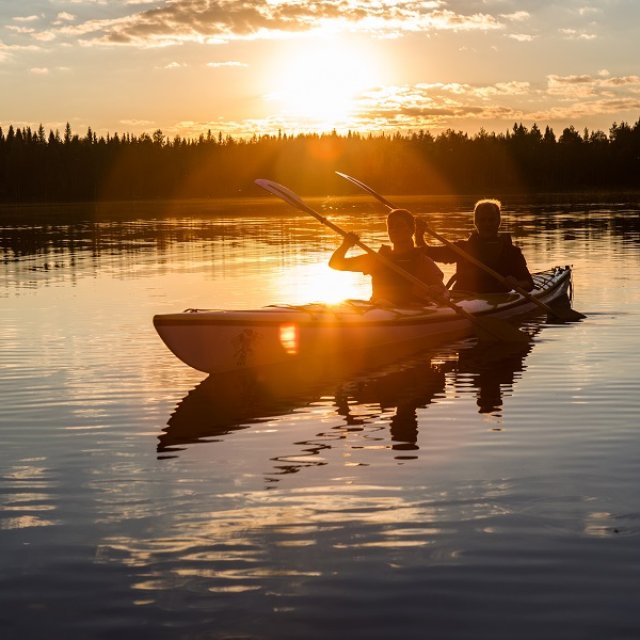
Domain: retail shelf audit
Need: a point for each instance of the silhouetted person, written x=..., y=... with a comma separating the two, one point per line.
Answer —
x=388, y=286
x=494, y=249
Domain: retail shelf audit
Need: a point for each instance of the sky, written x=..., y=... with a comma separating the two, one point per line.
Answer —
x=244, y=67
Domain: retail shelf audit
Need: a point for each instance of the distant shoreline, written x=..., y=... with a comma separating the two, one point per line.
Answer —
x=521, y=163
x=337, y=205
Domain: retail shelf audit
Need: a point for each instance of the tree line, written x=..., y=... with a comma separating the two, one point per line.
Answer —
x=36, y=166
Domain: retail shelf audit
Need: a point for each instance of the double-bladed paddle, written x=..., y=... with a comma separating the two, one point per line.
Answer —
x=566, y=315
x=492, y=329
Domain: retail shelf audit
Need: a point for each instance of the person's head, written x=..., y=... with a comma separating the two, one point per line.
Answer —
x=486, y=216
x=401, y=226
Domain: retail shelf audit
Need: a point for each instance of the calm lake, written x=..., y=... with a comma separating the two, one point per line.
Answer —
x=466, y=492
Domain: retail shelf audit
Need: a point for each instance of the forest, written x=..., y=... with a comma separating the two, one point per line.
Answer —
x=36, y=166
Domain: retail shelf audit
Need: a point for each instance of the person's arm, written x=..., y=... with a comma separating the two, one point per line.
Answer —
x=429, y=272
x=340, y=262
x=525, y=284
x=440, y=253
x=520, y=275
x=421, y=227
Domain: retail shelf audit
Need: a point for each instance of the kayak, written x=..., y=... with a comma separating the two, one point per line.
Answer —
x=218, y=341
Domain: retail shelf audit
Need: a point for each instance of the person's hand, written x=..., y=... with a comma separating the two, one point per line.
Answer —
x=350, y=240
x=512, y=282
x=438, y=292
x=433, y=293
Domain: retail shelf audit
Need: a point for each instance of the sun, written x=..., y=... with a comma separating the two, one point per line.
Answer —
x=317, y=82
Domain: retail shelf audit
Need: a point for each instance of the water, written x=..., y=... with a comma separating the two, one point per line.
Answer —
x=463, y=493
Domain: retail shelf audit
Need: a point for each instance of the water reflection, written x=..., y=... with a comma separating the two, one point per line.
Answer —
x=220, y=406
x=492, y=372
x=398, y=392
x=40, y=246
x=365, y=409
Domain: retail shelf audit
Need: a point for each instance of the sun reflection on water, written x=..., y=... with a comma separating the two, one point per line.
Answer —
x=316, y=282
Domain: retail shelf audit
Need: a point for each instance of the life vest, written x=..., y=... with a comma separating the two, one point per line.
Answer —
x=499, y=254
x=387, y=284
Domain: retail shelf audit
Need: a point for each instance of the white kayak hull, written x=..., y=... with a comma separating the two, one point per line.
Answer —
x=217, y=341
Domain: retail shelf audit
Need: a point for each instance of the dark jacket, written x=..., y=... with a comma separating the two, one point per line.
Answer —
x=499, y=254
x=389, y=285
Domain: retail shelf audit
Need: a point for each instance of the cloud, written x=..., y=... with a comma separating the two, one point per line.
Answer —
x=574, y=34
x=7, y=50
x=16, y=29
x=63, y=17
x=621, y=81
x=44, y=36
x=585, y=86
x=588, y=11
x=582, y=109
x=207, y=21
x=511, y=88
x=39, y=71
x=516, y=16
x=437, y=105
x=175, y=65
x=229, y=63
x=521, y=37
x=32, y=18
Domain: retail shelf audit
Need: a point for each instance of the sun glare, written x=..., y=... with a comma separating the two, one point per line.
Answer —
x=317, y=83
x=319, y=283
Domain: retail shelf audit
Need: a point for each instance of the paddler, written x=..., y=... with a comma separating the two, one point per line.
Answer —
x=496, y=250
x=388, y=286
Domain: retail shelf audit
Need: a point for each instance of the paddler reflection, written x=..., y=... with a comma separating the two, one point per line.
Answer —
x=398, y=394
x=355, y=405
x=493, y=372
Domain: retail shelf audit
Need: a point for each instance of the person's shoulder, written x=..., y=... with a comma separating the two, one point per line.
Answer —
x=472, y=238
x=506, y=239
x=509, y=244
x=512, y=251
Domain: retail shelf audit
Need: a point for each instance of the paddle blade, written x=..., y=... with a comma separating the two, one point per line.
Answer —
x=282, y=192
x=296, y=201
x=497, y=330
x=564, y=313
x=366, y=188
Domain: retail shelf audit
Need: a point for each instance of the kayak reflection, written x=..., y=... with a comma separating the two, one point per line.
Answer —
x=223, y=404
x=391, y=394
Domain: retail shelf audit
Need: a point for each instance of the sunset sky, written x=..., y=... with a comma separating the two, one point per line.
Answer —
x=244, y=67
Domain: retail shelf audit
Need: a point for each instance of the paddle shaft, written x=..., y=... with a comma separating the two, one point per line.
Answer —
x=294, y=200
x=463, y=254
